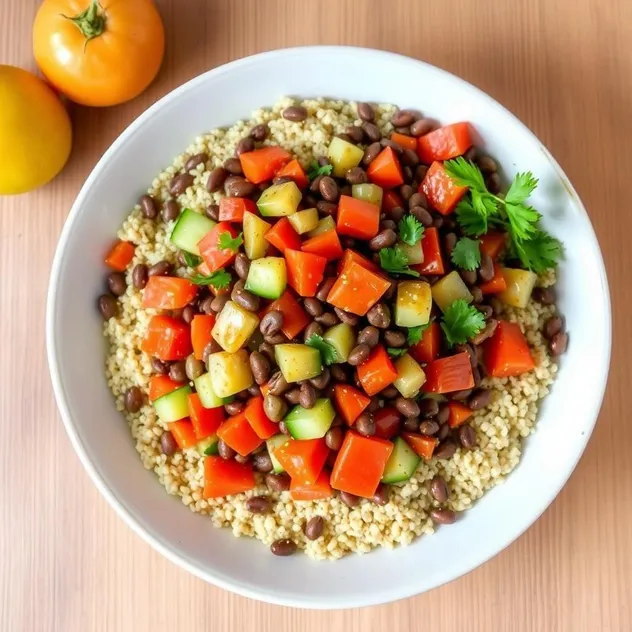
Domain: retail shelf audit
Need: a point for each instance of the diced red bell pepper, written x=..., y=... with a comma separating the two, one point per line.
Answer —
x=120, y=256
x=459, y=414
x=450, y=374
x=493, y=243
x=507, y=353
x=206, y=421
x=350, y=256
x=496, y=284
x=160, y=385
x=258, y=420
x=283, y=236
x=360, y=464
x=311, y=491
x=387, y=421
x=385, y=170
x=232, y=209
x=349, y=402
x=440, y=189
x=422, y=445
x=326, y=245
x=238, y=434
x=391, y=199
x=427, y=349
x=262, y=164
x=357, y=289
x=444, y=143
x=166, y=292
x=201, y=327
x=357, y=218
x=303, y=460
x=294, y=171
x=433, y=259
x=224, y=478
x=294, y=317
x=214, y=256
x=167, y=338
x=377, y=372
x=183, y=433
x=305, y=271
x=404, y=141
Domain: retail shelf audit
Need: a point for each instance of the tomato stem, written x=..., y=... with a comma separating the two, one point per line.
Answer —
x=90, y=22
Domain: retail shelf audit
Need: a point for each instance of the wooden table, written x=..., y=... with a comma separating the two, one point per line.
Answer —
x=67, y=563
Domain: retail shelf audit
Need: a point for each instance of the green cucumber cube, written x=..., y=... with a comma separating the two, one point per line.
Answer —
x=310, y=423
x=173, y=406
x=267, y=277
x=189, y=229
x=273, y=443
x=402, y=463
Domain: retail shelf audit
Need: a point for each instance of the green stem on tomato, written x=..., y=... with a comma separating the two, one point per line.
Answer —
x=90, y=22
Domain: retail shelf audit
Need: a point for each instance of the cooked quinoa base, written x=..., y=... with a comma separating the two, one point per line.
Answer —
x=501, y=427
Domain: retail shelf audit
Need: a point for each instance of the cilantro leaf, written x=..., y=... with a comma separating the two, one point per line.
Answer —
x=415, y=333
x=540, y=252
x=461, y=321
x=522, y=220
x=523, y=185
x=396, y=353
x=465, y=173
x=211, y=450
x=328, y=352
x=227, y=242
x=410, y=230
x=395, y=261
x=466, y=254
x=316, y=170
x=472, y=223
x=191, y=260
x=218, y=279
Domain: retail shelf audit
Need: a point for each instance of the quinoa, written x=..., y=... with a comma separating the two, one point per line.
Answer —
x=501, y=427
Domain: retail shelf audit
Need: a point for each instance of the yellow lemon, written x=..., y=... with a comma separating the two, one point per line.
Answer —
x=35, y=132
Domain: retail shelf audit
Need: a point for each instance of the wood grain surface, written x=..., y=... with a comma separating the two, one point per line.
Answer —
x=67, y=563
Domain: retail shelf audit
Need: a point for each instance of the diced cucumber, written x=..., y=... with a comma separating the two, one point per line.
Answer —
x=189, y=229
x=310, y=423
x=324, y=224
x=255, y=229
x=205, y=392
x=410, y=376
x=208, y=446
x=402, y=463
x=304, y=221
x=368, y=192
x=414, y=254
x=298, y=362
x=267, y=277
x=173, y=406
x=342, y=338
x=273, y=443
x=230, y=372
x=279, y=200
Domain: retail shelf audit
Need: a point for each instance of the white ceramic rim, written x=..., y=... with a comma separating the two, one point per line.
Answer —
x=136, y=522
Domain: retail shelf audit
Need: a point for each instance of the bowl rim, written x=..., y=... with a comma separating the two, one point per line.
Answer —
x=136, y=523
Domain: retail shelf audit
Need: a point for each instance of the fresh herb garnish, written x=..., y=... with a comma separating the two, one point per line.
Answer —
x=328, y=352
x=415, y=333
x=316, y=170
x=410, y=230
x=461, y=321
x=192, y=261
x=536, y=249
x=227, y=242
x=395, y=261
x=211, y=450
x=466, y=254
x=396, y=353
x=218, y=279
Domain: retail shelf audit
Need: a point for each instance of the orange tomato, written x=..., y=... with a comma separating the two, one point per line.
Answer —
x=99, y=53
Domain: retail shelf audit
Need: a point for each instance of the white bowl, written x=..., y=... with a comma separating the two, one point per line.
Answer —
x=102, y=439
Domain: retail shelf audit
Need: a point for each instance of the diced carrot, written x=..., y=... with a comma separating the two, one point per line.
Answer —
x=167, y=338
x=305, y=271
x=120, y=256
x=493, y=243
x=326, y=245
x=294, y=317
x=294, y=171
x=302, y=460
x=350, y=402
x=387, y=422
x=183, y=433
x=391, y=199
x=444, y=143
x=160, y=385
x=232, y=209
x=507, y=353
x=317, y=490
x=352, y=256
x=283, y=236
x=377, y=372
x=166, y=292
x=212, y=255
x=459, y=414
x=496, y=284
x=404, y=141
x=433, y=260
x=385, y=170
x=357, y=218
x=427, y=349
x=223, y=478
x=450, y=374
x=440, y=189
x=258, y=420
x=237, y=433
x=205, y=421
x=262, y=164
x=201, y=327
x=360, y=464
x=357, y=289
x=422, y=445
